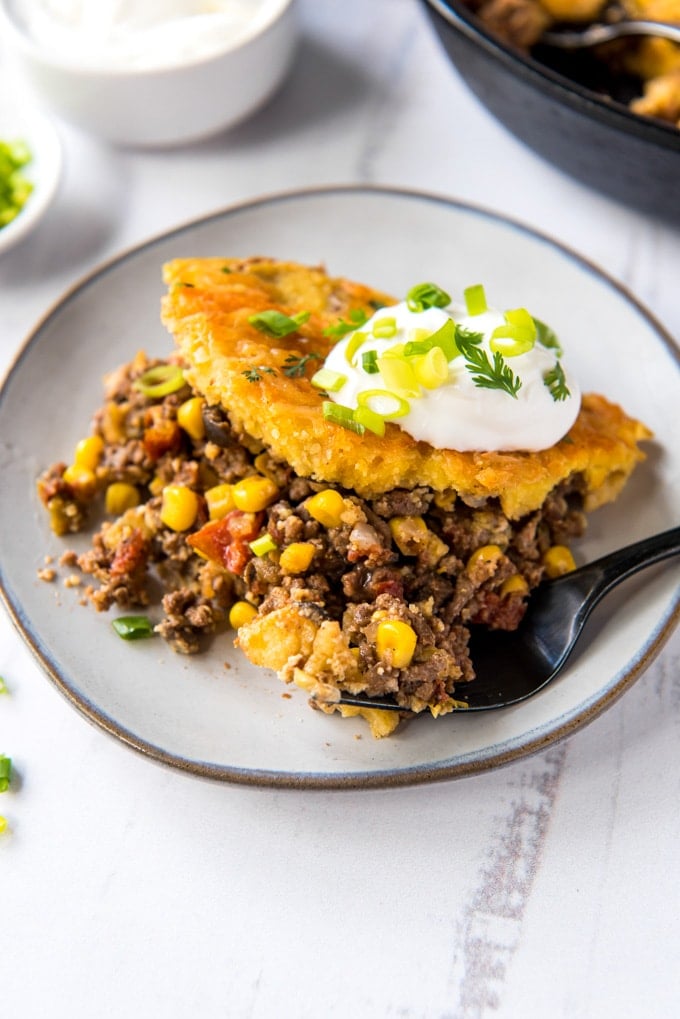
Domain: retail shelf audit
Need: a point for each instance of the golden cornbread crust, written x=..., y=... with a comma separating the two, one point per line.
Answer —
x=207, y=308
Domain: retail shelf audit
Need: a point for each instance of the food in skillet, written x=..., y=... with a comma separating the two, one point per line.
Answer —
x=293, y=469
x=654, y=64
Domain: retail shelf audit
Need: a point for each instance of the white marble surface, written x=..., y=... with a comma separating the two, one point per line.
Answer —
x=548, y=888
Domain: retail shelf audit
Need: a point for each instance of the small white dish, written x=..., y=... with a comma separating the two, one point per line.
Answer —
x=216, y=715
x=128, y=102
x=44, y=170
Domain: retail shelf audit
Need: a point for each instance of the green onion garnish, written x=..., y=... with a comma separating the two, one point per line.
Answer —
x=353, y=345
x=475, y=300
x=444, y=337
x=369, y=419
x=3, y=825
x=399, y=375
x=357, y=317
x=369, y=362
x=431, y=369
x=5, y=772
x=260, y=546
x=385, y=328
x=15, y=187
x=343, y=416
x=3, y=685
x=388, y=405
x=511, y=340
x=133, y=627
x=275, y=324
x=426, y=295
x=160, y=381
x=328, y=380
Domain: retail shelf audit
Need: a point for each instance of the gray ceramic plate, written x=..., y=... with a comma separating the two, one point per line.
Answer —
x=216, y=715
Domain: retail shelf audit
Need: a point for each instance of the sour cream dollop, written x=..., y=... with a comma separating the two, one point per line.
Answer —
x=459, y=414
x=138, y=34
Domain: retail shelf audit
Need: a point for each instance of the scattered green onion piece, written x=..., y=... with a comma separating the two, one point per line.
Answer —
x=3, y=685
x=369, y=419
x=265, y=543
x=547, y=337
x=3, y=825
x=426, y=295
x=389, y=405
x=521, y=317
x=475, y=300
x=369, y=362
x=445, y=337
x=275, y=324
x=161, y=380
x=133, y=627
x=328, y=380
x=5, y=772
x=353, y=345
x=343, y=416
x=431, y=369
x=398, y=374
x=385, y=328
x=511, y=340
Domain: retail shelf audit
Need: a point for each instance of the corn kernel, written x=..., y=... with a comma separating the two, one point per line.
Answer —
x=179, y=508
x=516, y=584
x=80, y=478
x=327, y=507
x=254, y=493
x=395, y=643
x=88, y=452
x=557, y=561
x=120, y=497
x=190, y=417
x=241, y=613
x=220, y=500
x=156, y=485
x=297, y=557
x=484, y=554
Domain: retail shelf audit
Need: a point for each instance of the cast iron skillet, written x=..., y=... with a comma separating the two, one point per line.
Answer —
x=562, y=113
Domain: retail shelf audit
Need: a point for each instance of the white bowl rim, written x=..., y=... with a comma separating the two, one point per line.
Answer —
x=272, y=11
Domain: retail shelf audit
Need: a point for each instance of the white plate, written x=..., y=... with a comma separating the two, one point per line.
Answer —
x=43, y=171
x=233, y=722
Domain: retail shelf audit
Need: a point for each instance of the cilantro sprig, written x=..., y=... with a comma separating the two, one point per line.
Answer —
x=255, y=372
x=297, y=365
x=556, y=383
x=486, y=374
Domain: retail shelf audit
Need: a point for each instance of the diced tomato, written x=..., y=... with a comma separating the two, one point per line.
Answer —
x=163, y=437
x=226, y=541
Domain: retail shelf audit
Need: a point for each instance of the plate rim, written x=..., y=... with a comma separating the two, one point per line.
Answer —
x=417, y=774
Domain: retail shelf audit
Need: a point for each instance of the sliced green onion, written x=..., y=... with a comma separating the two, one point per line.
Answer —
x=444, y=337
x=370, y=419
x=547, y=337
x=475, y=300
x=3, y=825
x=15, y=187
x=3, y=685
x=426, y=295
x=353, y=345
x=431, y=369
x=343, y=416
x=385, y=328
x=511, y=340
x=265, y=543
x=133, y=627
x=388, y=405
x=369, y=362
x=161, y=380
x=521, y=317
x=275, y=324
x=328, y=380
x=398, y=374
x=5, y=772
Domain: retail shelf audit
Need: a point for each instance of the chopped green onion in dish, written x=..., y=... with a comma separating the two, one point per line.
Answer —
x=353, y=345
x=275, y=324
x=369, y=362
x=5, y=772
x=160, y=381
x=15, y=187
x=357, y=318
x=260, y=546
x=388, y=405
x=3, y=825
x=385, y=328
x=133, y=627
x=3, y=685
x=369, y=419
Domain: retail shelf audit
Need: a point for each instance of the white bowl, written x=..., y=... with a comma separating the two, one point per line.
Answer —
x=161, y=105
x=43, y=171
